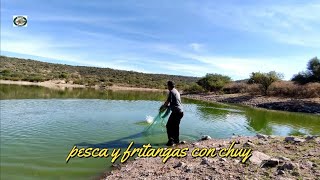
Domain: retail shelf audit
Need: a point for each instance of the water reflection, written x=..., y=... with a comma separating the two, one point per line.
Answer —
x=268, y=122
x=221, y=115
x=38, y=126
x=258, y=120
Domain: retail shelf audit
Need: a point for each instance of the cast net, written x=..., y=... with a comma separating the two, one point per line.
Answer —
x=159, y=122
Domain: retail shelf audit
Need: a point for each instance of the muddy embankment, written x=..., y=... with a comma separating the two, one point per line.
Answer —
x=310, y=105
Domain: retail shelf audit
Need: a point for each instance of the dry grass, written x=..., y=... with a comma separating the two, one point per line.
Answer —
x=233, y=88
x=278, y=89
x=289, y=89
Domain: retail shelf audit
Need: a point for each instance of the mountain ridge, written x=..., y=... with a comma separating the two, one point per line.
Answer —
x=19, y=69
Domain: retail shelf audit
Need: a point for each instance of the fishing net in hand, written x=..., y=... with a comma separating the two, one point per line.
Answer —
x=159, y=122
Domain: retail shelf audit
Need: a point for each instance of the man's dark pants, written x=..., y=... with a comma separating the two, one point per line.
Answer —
x=173, y=126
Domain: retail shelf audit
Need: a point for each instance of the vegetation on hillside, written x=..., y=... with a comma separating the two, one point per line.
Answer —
x=35, y=71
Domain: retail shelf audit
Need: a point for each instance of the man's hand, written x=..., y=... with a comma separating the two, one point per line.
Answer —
x=163, y=108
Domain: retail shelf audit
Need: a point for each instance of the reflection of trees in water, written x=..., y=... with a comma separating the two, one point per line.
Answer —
x=213, y=112
x=36, y=92
x=258, y=121
x=263, y=120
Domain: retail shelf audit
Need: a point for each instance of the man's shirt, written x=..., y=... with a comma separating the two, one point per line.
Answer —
x=175, y=100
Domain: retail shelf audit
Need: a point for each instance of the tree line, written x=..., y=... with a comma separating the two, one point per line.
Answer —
x=218, y=82
x=257, y=83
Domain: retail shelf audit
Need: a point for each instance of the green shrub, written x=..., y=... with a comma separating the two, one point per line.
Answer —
x=15, y=79
x=194, y=88
x=79, y=81
x=213, y=82
x=63, y=75
x=33, y=78
x=5, y=72
x=265, y=79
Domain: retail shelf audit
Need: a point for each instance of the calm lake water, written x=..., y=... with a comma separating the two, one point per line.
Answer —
x=39, y=126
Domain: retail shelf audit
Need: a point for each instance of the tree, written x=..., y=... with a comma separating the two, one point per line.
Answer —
x=213, y=82
x=314, y=67
x=193, y=88
x=265, y=79
x=311, y=75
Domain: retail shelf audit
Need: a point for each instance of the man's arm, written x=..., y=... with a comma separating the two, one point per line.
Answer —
x=164, y=106
x=167, y=101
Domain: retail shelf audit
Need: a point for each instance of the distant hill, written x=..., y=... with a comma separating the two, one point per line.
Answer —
x=36, y=71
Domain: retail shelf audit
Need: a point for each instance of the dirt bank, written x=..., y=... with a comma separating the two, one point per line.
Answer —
x=61, y=84
x=272, y=158
x=310, y=105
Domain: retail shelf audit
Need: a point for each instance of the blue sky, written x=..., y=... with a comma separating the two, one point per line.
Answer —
x=183, y=37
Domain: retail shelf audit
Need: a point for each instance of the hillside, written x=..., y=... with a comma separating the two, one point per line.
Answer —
x=17, y=69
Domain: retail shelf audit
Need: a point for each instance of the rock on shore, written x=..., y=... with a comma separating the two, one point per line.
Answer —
x=272, y=158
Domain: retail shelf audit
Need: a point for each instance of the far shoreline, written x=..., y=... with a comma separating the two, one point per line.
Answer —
x=61, y=84
x=303, y=105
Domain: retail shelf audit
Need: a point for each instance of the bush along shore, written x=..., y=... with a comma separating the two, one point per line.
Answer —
x=305, y=105
x=272, y=157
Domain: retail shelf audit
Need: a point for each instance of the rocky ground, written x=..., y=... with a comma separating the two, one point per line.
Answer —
x=272, y=158
x=311, y=105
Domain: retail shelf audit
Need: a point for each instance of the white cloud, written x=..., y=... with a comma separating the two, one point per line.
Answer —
x=296, y=24
x=236, y=67
x=47, y=48
x=116, y=23
x=197, y=64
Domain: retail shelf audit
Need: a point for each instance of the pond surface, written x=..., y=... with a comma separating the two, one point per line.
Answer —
x=39, y=126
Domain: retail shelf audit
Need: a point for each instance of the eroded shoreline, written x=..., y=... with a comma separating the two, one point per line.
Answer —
x=307, y=105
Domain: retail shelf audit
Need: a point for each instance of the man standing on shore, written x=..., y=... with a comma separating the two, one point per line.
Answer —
x=174, y=101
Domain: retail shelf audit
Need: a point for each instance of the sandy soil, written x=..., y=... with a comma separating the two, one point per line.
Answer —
x=60, y=84
x=310, y=105
x=272, y=158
